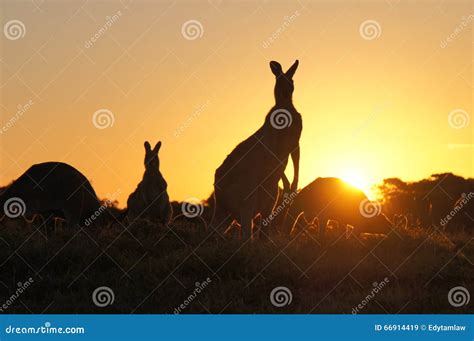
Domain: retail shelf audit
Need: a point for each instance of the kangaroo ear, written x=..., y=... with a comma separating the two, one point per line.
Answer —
x=291, y=71
x=276, y=68
x=157, y=147
x=147, y=146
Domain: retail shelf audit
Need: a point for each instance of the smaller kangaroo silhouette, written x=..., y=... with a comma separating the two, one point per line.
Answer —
x=150, y=200
x=51, y=188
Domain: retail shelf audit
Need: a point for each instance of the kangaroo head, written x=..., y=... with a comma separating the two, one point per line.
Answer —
x=151, y=156
x=314, y=223
x=284, y=81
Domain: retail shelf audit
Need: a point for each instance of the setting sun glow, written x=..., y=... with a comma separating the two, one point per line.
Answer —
x=372, y=107
x=355, y=178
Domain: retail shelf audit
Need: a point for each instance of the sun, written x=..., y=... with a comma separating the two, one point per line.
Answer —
x=355, y=178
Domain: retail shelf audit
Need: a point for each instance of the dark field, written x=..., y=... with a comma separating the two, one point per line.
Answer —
x=153, y=269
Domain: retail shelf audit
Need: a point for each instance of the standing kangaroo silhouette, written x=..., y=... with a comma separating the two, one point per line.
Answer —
x=246, y=184
x=150, y=200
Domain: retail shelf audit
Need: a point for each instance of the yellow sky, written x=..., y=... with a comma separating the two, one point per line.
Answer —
x=374, y=104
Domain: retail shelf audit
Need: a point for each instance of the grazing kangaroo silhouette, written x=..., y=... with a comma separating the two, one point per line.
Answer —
x=246, y=184
x=302, y=225
x=400, y=221
x=333, y=199
x=150, y=200
x=51, y=188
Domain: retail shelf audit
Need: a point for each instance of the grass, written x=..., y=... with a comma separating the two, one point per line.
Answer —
x=153, y=269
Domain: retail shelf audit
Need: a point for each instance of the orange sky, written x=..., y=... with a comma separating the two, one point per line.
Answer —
x=375, y=104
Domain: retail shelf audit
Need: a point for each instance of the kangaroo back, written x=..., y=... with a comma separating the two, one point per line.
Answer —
x=332, y=198
x=53, y=186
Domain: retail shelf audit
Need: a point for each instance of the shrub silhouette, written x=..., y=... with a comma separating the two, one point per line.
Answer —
x=53, y=188
x=427, y=202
